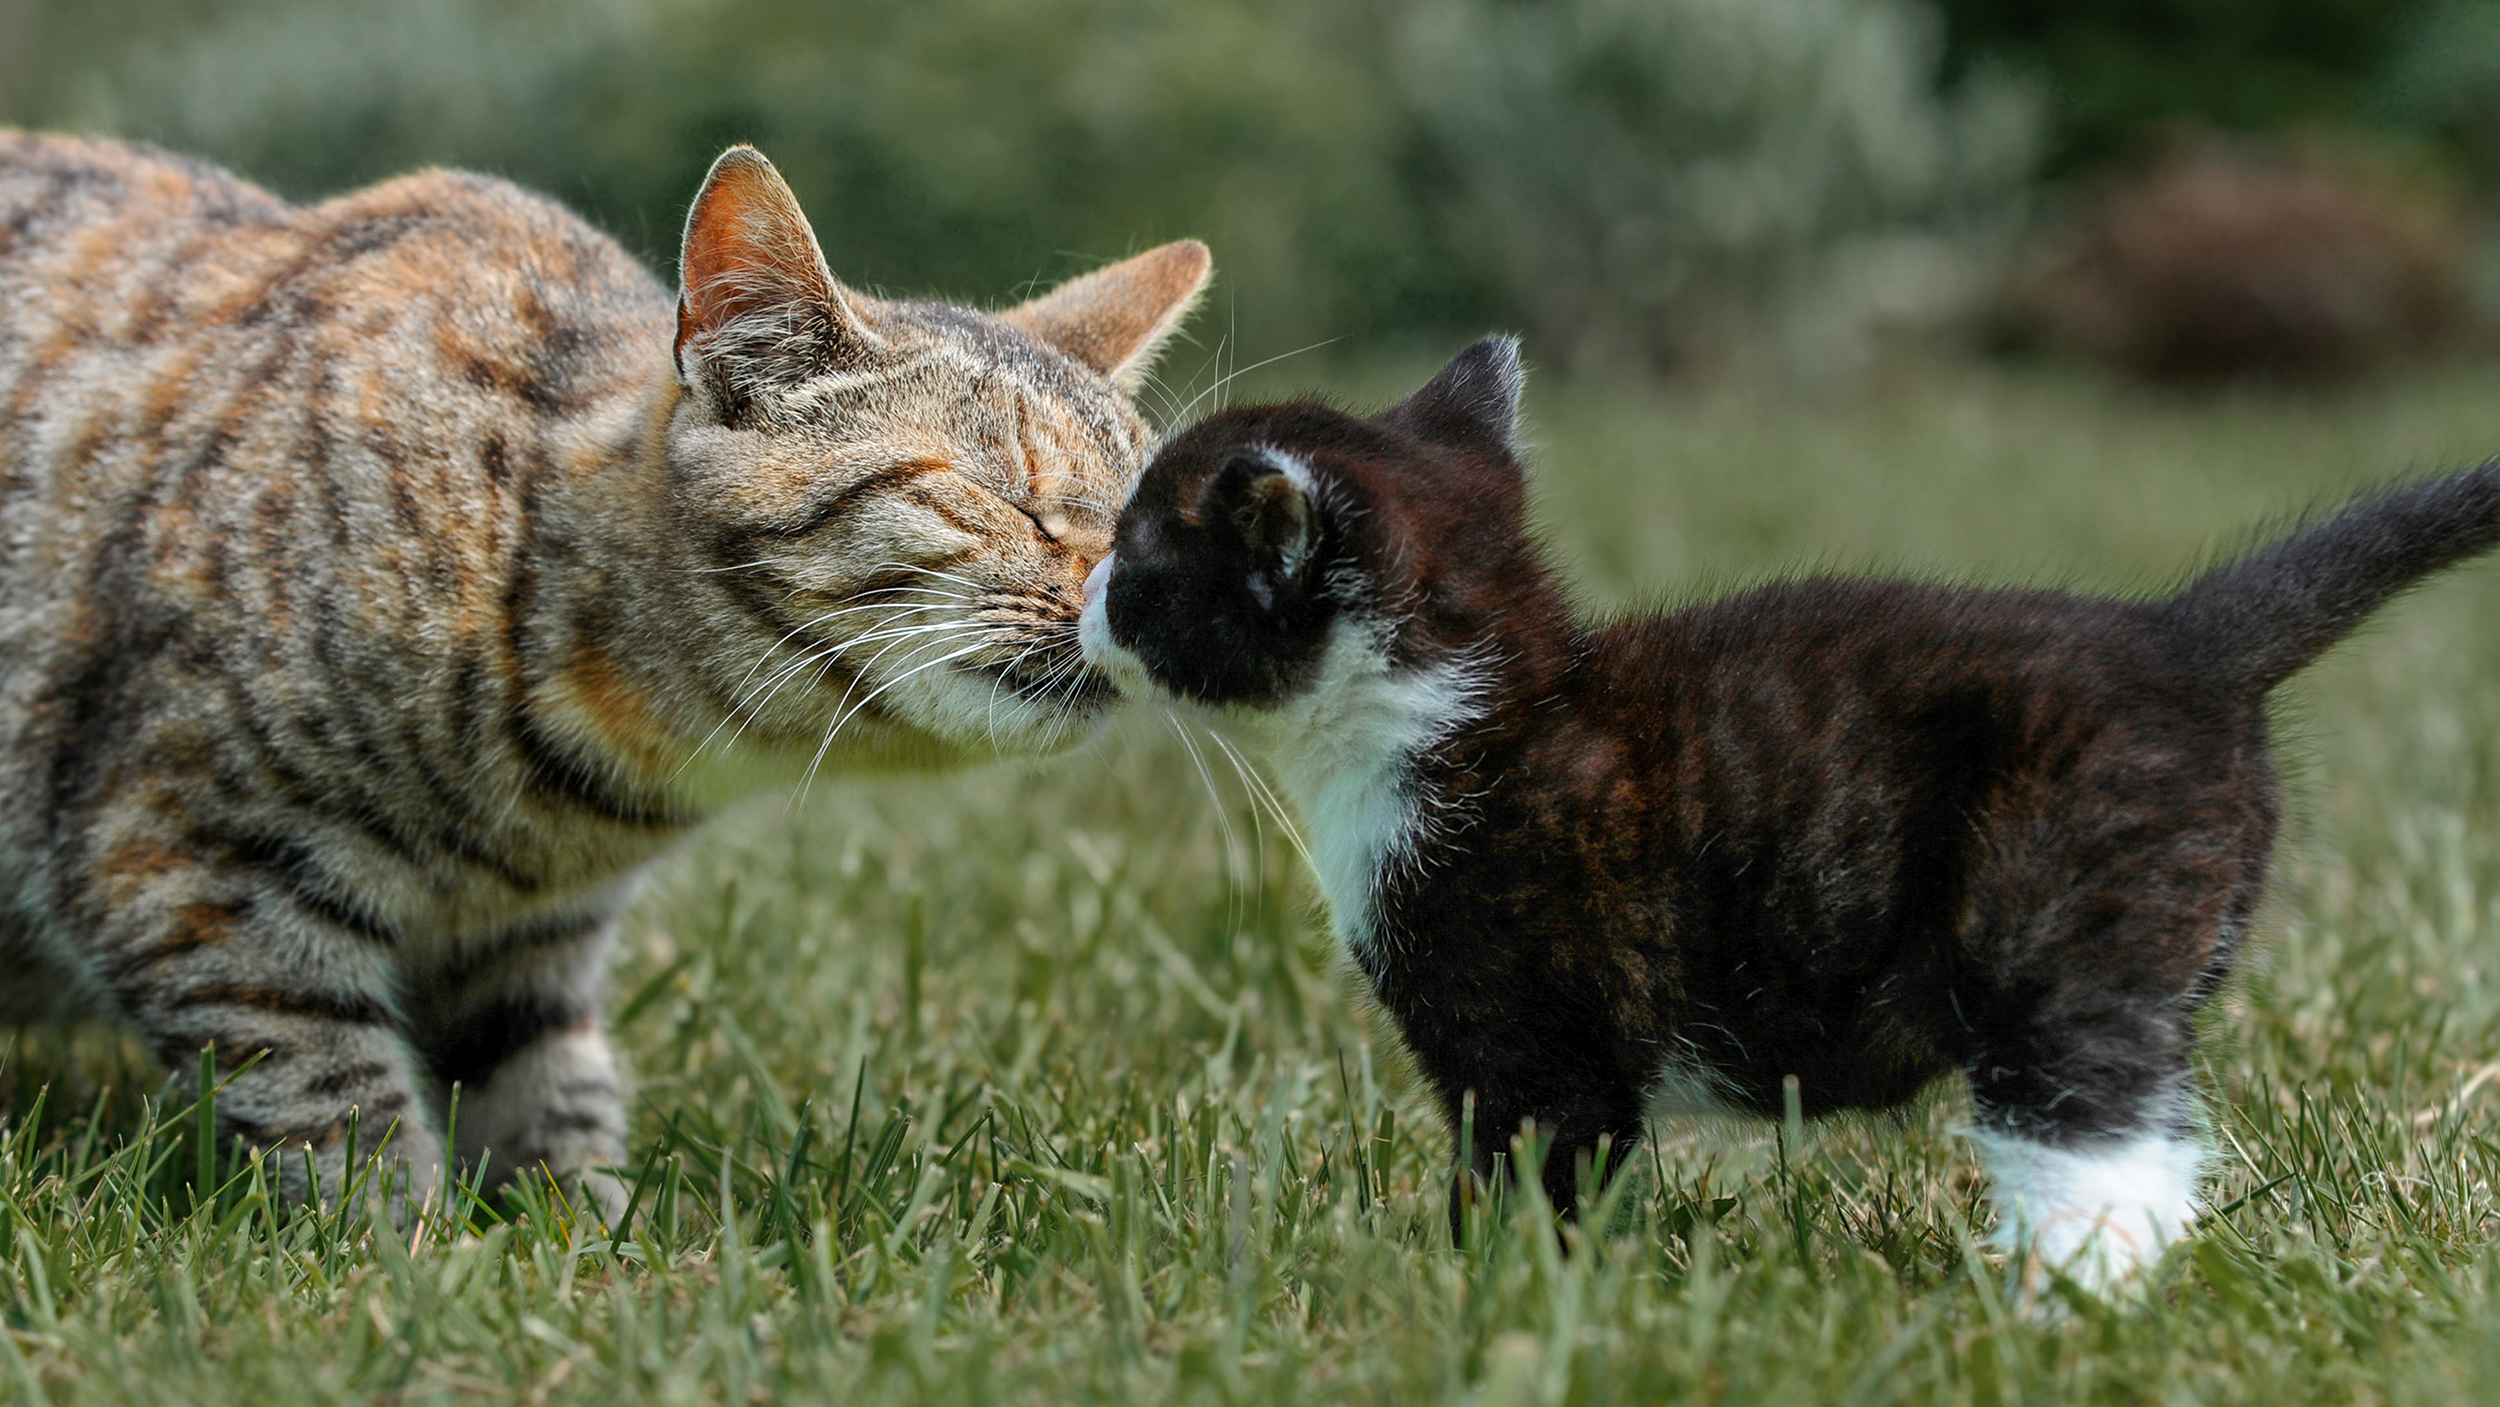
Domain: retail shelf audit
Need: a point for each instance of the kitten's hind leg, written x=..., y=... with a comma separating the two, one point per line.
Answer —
x=519, y=1033
x=2072, y=1003
x=2093, y=1169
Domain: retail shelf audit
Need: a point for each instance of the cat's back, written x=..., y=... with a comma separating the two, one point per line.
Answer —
x=1844, y=677
x=175, y=342
x=141, y=280
x=266, y=466
x=1837, y=636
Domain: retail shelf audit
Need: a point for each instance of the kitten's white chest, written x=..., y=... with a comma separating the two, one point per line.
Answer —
x=1345, y=753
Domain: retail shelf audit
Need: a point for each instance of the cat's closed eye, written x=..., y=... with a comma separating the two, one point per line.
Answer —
x=1052, y=526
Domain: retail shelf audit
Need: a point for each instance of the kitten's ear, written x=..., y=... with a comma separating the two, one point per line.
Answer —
x=1476, y=395
x=1270, y=508
x=1116, y=319
x=756, y=306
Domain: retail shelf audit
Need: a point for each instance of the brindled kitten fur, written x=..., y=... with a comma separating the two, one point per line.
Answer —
x=1864, y=833
x=386, y=579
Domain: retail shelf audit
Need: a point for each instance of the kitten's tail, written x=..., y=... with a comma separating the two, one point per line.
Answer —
x=2265, y=616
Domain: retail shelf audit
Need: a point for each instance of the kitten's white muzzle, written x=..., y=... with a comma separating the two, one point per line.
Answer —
x=1093, y=636
x=1096, y=580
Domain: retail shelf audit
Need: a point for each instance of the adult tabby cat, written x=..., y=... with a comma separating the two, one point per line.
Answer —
x=386, y=579
x=1859, y=834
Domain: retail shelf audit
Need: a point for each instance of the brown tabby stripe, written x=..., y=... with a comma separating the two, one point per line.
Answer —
x=348, y=1008
x=307, y=884
x=195, y=926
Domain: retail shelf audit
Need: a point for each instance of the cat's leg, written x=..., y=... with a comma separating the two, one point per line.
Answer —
x=520, y=1034
x=1587, y=1119
x=2072, y=1005
x=242, y=954
x=2089, y=1133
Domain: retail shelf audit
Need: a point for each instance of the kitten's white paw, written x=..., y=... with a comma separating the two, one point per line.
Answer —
x=2099, y=1213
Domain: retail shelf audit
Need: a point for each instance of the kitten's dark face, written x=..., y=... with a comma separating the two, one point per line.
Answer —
x=1245, y=574
x=1214, y=591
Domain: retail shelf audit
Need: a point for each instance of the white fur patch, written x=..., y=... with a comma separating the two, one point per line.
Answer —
x=1691, y=1090
x=1093, y=636
x=1343, y=750
x=1686, y=1089
x=2100, y=1212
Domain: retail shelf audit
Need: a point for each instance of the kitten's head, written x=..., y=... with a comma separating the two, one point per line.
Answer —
x=1271, y=553
x=897, y=503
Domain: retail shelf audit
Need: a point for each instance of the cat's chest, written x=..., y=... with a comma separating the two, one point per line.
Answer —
x=1348, y=757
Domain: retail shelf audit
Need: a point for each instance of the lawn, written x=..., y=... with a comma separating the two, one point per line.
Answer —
x=1041, y=1084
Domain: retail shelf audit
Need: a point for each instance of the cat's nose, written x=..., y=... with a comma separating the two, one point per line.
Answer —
x=1097, y=579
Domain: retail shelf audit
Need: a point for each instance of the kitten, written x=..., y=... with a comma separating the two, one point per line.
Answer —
x=386, y=580
x=1861, y=833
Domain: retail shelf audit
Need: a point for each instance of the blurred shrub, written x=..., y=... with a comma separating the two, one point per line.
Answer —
x=1633, y=174
x=1616, y=175
x=2444, y=77
x=973, y=148
x=2124, y=67
x=2229, y=258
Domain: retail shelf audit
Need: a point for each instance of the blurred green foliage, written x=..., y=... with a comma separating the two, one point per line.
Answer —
x=2121, y=69
x=1366, y=170
x=2444, y=78
x=1645, y=176
x=2120, y=66
x=1634, y=182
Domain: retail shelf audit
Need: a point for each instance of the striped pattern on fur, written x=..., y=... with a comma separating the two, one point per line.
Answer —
x=385, y=580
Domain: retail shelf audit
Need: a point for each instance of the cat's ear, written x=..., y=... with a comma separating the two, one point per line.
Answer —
x=1116, y=319
x=1475, y=396
x=756, y=306
x=1270, y=506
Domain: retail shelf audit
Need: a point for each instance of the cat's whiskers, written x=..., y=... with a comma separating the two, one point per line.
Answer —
x=1056, y=687
x=753, y=696
x=834, y=651
x=1170, y=410
x=894, y=640
x=1077, y=500
x=748, y=705
x=1223, y=814
x=1261, y=794
x=1050, y=634
x=1228, y=378
x=933, y=572
x=861, y=603
x=840, y=719
x=860, y=606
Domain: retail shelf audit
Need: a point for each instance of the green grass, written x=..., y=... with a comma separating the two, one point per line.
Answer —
x=1039, y=1085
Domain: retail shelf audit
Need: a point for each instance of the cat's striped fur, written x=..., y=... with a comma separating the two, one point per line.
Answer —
x=386, y=579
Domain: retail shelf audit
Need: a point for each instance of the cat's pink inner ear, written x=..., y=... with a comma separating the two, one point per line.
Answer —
x=749, y=249
x=1116, y=318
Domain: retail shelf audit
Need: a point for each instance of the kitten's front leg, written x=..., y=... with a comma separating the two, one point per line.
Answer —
x=520, y=1034
x=1588, y=1126
x=294, y=997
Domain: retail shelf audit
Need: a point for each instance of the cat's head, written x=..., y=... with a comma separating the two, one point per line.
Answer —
x=898, y=502
x=1274, y=553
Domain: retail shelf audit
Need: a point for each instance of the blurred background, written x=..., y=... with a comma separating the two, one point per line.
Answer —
x=2183, y=189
